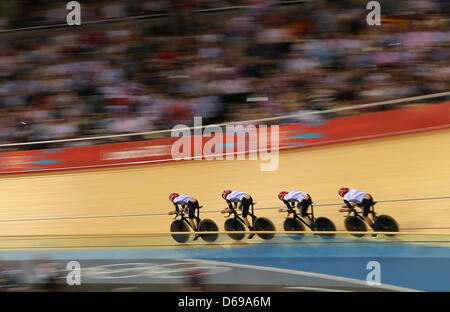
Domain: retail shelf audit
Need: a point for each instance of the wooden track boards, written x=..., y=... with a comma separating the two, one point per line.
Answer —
x=91, y=202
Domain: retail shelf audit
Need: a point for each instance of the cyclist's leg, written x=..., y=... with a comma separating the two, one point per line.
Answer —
x=191, y=213
x=245, y=204
x=370, y=204
x=192, y=205
x=303, y=208
x=365, y=206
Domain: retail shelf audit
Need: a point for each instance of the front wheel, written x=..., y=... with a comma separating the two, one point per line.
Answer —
x=325, y=224
x=386, y=224
x=292, y=224
x=354, y=224
x=208, y=225
x=234, y=225
x=264, y=224
x=180, y=226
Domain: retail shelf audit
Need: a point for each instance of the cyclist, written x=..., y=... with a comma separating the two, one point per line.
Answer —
x=361, y=199
x=244, y=200
x=188, y=205
x=303, y=201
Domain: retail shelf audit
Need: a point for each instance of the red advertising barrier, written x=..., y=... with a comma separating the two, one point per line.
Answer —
x=301, y=135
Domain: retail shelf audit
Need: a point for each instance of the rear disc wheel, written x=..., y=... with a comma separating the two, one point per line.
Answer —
x=264, y=224
x=325, y=224
x=386, y=224
x=208, y=225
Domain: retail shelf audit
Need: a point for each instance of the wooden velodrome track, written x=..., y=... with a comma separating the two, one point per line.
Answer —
x=134, y=200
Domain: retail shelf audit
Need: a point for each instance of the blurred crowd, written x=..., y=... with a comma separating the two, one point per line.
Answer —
x=38, y=275
x=148, y=74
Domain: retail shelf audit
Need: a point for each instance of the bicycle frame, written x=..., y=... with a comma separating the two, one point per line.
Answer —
x=358, y=214
x=299, y=218
x=183, y=217
x=237, y=217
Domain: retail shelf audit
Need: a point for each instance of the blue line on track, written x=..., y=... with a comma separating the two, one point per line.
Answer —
x=210, y=211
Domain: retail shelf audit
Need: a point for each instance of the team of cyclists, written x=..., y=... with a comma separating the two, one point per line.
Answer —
x=294, y=199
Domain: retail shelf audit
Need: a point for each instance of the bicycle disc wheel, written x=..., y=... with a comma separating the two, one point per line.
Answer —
x=180, y=226
x=207, y=225
x=386, y=224
x=291, y=224
x=264, y=224
x=354, y=224
x=234, y=225
x=325, y=224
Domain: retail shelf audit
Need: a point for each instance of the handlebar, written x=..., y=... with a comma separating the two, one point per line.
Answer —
x=178, y=214
x=353, y=210
x=233, y=211
x=292, y=211
x=236, y=213
x=181, y=213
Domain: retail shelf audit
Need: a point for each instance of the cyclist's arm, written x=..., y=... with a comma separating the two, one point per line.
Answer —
x=288, y=204
x=349, y=206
